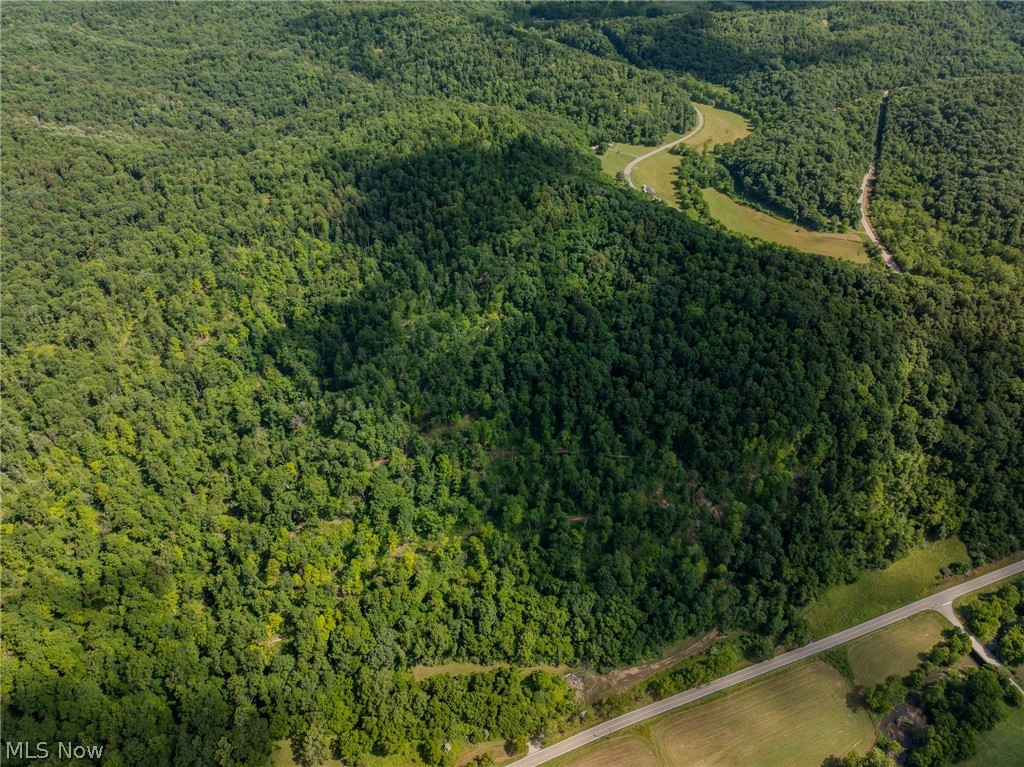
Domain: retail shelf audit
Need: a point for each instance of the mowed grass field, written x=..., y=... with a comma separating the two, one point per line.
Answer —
x=912, y=578
x=620, y=155
x=659, y=172
x=1003, y=746
x=753, y=223
x=627, y=749
x=797, y=717
x=720, y=127
x=895, y=649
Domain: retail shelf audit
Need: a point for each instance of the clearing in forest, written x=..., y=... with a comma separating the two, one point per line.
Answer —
x=657, y=174
x=458, y=669
x=720, y=127
x=753, y=223
x=619, y=156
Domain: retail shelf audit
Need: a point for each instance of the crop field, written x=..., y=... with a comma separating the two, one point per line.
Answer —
x=797, y=717
x=627, y=749
x=896, y=649
x=913, y=577
x=754, y=223
x=720, y=127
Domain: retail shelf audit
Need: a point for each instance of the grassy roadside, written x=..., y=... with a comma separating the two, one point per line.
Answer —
x=798, y=716
x=720, y=127
x=911, y=578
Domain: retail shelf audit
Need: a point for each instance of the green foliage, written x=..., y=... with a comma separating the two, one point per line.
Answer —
x=719, y=660
x=476, y=55
x=758, y=648
x=811, y=79
x=999, y=617
x=329, y=352
x=883, y=696
x=951, y=651
x=959, y=708
x=839, y=659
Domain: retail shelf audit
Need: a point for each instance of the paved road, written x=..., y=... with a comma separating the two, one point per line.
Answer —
x=939, y=602
x=629, y=168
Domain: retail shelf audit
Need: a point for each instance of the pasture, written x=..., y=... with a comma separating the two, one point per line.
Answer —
x=720, y=127
x=895, y=649
x=875, y=593
x=1002, y=746
x=753, y=223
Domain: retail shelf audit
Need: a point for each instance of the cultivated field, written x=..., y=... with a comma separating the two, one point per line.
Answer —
x=797, y=717
x=624, y=750
x=913, y=577
x=754, y=223
x=896, y=649
x=720, y=127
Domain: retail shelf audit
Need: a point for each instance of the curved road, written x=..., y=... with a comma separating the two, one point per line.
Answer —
x=629, y=167
x=865, y=200
x=940, y=602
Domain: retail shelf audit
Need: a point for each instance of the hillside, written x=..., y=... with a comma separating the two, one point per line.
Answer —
x=329, y=351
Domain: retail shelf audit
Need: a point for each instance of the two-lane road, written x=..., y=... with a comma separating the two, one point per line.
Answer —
x=937, y=602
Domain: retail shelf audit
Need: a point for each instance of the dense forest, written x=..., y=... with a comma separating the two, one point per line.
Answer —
x=329, y=352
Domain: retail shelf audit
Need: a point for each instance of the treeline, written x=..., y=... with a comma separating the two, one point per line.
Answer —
x=999, y=618
x=958, y=706
x=478, y=55
x=316, y=372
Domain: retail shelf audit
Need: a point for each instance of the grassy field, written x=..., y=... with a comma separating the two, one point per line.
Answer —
x=896, y=649
x=754, y=223
x=659, y=173
x=624, y=750
x=1003, y=746
x=913, y=577
x=797, y=717
x=720, y=127
x=620, y=155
